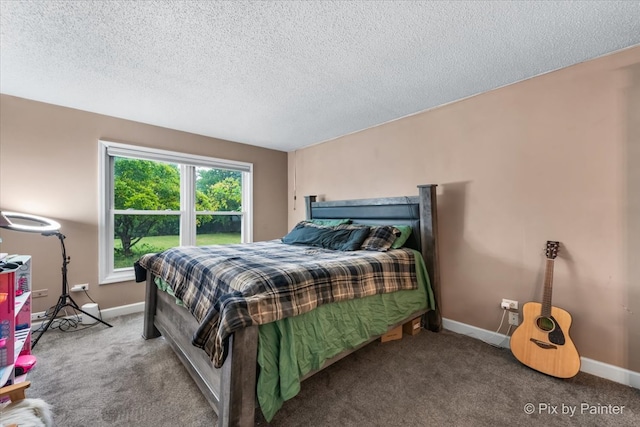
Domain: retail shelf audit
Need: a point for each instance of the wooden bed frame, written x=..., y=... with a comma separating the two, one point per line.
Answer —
x=231, y=390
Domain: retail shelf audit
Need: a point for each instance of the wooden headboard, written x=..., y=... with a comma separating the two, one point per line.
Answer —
x=419, y=212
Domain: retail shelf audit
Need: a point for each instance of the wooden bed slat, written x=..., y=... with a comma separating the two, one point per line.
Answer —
x=170, y=322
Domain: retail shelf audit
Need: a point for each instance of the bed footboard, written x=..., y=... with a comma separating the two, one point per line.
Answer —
x=230, y=390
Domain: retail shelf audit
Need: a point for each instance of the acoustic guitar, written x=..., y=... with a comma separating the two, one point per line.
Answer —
x=542, y=340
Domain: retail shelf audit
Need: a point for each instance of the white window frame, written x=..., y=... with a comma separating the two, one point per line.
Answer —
x=188, y=163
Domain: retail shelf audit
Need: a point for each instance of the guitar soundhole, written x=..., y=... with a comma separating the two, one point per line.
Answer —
x=546, y=324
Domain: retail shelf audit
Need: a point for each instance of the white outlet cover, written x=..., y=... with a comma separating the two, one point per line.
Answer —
x=510, y=302
x=514, y=319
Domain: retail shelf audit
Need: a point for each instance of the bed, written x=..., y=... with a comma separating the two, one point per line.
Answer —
x=231, y=389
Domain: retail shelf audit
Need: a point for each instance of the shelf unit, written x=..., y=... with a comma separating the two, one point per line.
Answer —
x=15, y=317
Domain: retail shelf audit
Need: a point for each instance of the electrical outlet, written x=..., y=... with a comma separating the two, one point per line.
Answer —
x=514, y=318
x=80, y=288
x=509, y=304
x=40, y=293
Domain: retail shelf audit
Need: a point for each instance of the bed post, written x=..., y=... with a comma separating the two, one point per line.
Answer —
x=238, y=380
x=307, y=203
x=150, y=303
x=429, y=241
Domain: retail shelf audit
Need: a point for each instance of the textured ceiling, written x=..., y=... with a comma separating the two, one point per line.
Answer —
x=285, y=75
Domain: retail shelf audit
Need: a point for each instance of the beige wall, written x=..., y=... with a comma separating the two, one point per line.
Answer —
x=551, y=158
x=543, y=159
x=49, y=167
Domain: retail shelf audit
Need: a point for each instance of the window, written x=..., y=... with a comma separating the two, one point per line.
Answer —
x=153, y=200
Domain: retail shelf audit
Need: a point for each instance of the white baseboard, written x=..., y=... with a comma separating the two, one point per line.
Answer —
x=110, y=313
x=490, y=337
x=610, y=372
x=589, y=366
x=107, y=313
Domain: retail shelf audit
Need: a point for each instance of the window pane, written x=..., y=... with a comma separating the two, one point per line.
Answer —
x=145, y=185
x=144, y=210
x=218, y=229
x=218, y=190
x=136, y=235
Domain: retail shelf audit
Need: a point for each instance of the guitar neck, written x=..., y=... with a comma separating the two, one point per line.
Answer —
x=548, y=289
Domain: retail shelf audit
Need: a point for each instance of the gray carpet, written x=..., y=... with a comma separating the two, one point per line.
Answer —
x=111, y=376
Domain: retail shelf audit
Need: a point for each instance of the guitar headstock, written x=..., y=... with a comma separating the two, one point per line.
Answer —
x=552, y=249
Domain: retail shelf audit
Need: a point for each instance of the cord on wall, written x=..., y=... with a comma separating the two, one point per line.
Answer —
x=295, y=177
x=504, y=312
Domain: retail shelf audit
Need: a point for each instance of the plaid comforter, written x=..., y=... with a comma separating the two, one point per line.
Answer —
x=228, y=287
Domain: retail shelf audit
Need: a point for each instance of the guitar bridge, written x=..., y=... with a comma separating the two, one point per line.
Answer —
x=543, y=344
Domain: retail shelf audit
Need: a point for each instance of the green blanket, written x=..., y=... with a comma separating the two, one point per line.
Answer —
x=290, y=348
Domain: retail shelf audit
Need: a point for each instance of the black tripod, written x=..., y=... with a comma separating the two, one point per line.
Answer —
x=65, y=299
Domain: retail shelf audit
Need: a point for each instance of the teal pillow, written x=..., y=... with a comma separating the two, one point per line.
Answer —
x=405, y=232
x=329, y=222
x=341, y=238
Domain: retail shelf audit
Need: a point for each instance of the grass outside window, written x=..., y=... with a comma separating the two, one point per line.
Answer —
x=160, y=243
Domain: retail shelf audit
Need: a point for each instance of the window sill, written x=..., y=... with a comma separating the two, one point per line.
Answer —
x=124, y=275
